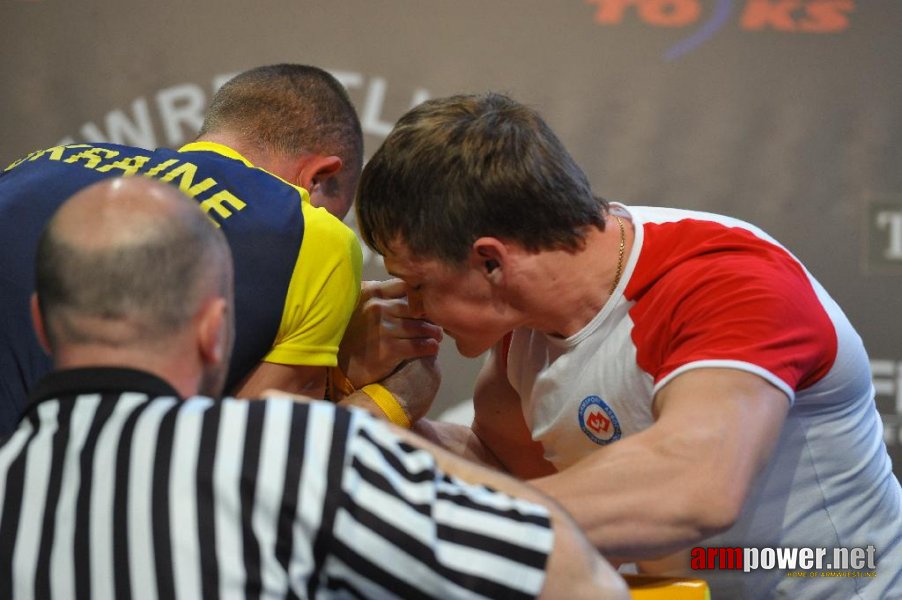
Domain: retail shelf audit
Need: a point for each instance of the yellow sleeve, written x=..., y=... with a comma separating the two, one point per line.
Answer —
x=322, y=294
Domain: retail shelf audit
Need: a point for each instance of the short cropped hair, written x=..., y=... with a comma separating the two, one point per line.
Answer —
x=458, y=168
x=289, y=109
x=155, y=283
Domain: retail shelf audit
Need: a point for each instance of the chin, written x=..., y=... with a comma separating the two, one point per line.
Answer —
x=470, y=349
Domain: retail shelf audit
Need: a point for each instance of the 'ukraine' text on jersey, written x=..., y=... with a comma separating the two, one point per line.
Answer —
x=277, y=239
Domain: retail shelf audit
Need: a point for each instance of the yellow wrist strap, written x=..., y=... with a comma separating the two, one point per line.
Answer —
x=387, y=402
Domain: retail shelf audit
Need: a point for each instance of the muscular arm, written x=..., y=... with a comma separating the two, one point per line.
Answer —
x=320, y=299
x=498, y=422
x=294, y=379
x=498, y=436
x=683, y=479
x=380, y=335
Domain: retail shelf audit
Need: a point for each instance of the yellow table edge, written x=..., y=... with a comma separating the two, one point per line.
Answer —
x=649, y=587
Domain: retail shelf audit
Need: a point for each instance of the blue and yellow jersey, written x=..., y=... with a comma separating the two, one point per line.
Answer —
x=297, y=268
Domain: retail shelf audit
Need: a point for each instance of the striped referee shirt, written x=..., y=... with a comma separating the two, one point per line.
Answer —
x=113, y=487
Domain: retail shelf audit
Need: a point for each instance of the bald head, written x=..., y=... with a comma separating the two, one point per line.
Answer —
x=125, y=262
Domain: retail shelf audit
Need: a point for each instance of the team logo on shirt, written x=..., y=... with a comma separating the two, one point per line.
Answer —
x=598, y=421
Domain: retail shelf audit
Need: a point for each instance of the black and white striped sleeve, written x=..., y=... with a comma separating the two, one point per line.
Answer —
x=402, y=527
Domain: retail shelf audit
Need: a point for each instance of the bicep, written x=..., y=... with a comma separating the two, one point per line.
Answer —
x=714, y=432
x=498, y=421
x=726, y=421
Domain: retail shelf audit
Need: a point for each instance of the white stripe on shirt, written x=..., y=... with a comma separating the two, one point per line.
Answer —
x=34, y=497
x=102, y=494
x=186, y=565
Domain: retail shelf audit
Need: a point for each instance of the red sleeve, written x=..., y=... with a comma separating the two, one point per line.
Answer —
x=723, y=294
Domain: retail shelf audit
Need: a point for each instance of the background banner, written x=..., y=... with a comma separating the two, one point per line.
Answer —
x=785, y=113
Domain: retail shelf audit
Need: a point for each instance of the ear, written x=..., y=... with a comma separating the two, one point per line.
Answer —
x=38, y=320
x=490, y=257
x=212, y=331
x=314, y=169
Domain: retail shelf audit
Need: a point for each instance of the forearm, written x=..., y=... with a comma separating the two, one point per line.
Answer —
x=358, y=399
x=304, y=380
x=684, y=478
x=459, y=440
x=403, y=397
x=641, y=499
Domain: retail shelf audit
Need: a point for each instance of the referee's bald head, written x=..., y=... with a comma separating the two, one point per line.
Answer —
x=128, y=262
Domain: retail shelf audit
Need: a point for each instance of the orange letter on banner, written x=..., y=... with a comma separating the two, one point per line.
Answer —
x=669, y=13
x=827, y=16
x=610, y=12
x=775, y=14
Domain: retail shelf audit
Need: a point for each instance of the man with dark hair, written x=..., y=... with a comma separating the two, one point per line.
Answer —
x=280, y=149
x=124, y=480
x=672, y=377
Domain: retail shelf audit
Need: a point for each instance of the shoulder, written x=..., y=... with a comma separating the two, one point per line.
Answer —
x=329, y=244
x=712, y=288
x=688, y=250
x=327, y=226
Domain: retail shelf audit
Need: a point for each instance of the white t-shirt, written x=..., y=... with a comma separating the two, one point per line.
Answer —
x=703, y=290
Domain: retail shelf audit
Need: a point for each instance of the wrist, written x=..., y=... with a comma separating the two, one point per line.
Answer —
x=338, y=385
x=387, y=403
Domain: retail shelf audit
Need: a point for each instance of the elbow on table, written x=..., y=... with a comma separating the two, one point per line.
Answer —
x=713, y=509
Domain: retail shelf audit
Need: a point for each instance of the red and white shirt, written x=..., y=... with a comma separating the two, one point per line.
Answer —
x=704, y=290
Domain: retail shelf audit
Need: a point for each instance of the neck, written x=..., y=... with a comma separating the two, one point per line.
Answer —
x=183, y=376
x=580, y=282
x=276, y=164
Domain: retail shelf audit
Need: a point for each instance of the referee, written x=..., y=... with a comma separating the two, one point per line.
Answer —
x=125, y=478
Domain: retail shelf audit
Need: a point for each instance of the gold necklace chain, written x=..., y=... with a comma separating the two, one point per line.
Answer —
x=619, y=257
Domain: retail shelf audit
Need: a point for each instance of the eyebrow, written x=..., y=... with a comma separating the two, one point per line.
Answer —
x=394, y=272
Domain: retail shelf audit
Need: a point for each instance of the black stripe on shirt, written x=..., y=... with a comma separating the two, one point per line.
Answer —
x=493, y=545
x=12, y=508
x=341, y=584
x=462, y=499
x=426, y=554
x=366, y=569
x=293, y=474
x=54, y=482
x=206, y=515
x=82, y=538
x=478, y=585
x=335, y=461
x=430, y=474
x=121, y=565
x=380, y=481
x=426, y=474
x=250, y=463
x=162, y=536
